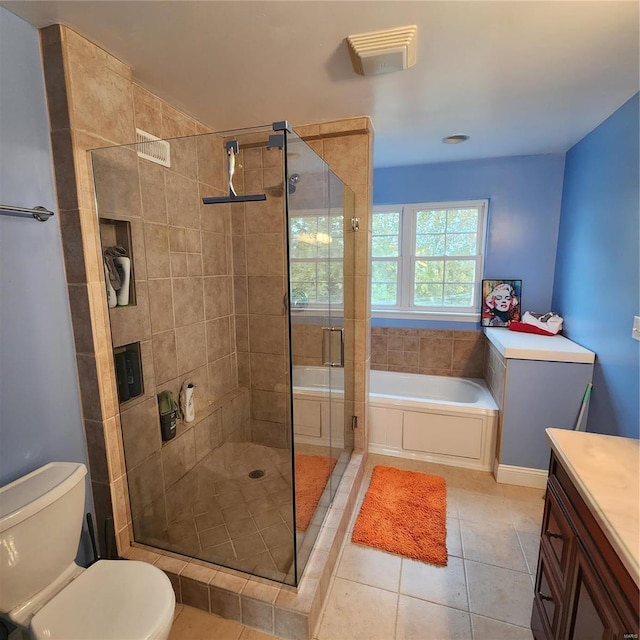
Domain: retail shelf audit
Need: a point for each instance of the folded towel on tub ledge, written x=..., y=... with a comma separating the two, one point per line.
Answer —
x=548, y=324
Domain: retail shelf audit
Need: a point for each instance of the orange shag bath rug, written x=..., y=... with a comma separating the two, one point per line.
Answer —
x=312, y=473
x=405, y=513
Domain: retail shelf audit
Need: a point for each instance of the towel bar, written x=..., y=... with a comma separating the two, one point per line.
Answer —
x=39, y=213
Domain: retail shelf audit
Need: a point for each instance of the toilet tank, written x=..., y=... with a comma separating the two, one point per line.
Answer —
x=40, y=525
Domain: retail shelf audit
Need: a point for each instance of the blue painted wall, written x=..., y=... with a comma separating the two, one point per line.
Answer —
x=40, y=415
x=597, y=281
x=524, y=212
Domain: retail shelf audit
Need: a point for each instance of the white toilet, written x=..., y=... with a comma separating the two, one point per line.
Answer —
x=43, y=590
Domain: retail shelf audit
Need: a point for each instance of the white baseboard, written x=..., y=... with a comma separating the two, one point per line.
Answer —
x=522, y=476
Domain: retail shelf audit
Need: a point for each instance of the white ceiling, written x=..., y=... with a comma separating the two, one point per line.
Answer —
x=520, y=77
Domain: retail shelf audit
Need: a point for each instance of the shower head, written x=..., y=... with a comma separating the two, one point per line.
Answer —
x=294, y=178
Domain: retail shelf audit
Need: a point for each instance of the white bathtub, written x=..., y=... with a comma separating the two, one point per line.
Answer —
x=315, y=378
x=433, y=418
x=413, y=387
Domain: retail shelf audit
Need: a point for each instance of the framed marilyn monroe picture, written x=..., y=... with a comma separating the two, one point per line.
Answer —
x=500, y=302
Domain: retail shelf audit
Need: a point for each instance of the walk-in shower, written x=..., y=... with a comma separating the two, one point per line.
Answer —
x=237, y=251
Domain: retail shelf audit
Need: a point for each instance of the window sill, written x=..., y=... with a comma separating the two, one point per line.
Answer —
x=442, y=316
x=311, y=313
x=317, y=312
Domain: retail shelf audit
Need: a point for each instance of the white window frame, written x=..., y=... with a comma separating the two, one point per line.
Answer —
x=406, y=260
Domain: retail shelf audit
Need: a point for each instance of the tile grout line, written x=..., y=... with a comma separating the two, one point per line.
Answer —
x=395, y=622
x=466, y=585
x=526, y=560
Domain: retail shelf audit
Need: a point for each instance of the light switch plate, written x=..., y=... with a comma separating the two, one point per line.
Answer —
x=635, y=331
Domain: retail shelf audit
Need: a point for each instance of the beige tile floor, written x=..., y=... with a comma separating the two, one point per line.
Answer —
x=484, y=593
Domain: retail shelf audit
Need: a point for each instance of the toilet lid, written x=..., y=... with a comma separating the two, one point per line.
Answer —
x=111, y=600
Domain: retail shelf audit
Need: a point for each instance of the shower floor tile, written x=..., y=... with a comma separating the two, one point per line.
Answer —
x=234, y=519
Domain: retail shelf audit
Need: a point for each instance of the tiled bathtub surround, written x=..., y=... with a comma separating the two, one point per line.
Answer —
x=495, y=371
x=428, y=351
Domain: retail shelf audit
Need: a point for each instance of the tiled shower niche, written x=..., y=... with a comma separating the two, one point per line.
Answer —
x=116, y=234
x=129, y=374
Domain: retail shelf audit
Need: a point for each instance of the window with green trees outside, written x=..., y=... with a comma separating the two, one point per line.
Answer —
x=427, y=258
x=316, y=249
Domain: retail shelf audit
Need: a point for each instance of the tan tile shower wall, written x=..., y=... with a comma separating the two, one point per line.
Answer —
x=260, y=289
x=181, y=263
x=428, y=351
x=94, y=103
x=183, y=284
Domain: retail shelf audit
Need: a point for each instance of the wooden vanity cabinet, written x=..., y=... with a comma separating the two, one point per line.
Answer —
x=582, y=589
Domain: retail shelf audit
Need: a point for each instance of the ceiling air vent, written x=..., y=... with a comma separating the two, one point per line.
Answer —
x=151, y=148
x=383, y=51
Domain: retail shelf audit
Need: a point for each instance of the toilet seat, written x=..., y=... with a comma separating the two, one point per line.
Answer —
x=111, y=600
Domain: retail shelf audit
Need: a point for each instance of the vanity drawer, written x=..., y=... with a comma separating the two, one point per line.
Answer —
x=547, y=601
x=557, y=535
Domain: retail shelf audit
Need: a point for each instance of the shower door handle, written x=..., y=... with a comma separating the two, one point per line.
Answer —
x=327, y=335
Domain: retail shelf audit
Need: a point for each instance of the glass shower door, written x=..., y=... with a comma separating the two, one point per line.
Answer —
x=341, y=297
x=321, y=343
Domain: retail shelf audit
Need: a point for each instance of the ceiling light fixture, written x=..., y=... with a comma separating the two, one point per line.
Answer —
x=455, y=139
x=379, y=52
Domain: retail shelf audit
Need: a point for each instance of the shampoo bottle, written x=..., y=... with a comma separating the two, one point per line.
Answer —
x=187, y=403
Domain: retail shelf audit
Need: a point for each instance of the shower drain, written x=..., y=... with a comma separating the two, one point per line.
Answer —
x=256, y=473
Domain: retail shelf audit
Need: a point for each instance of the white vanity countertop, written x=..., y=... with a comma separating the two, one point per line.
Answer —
x=606, y=473
x=531, y=346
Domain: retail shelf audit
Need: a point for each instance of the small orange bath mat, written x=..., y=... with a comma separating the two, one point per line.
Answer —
x=405, y=512
x=312, y=473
